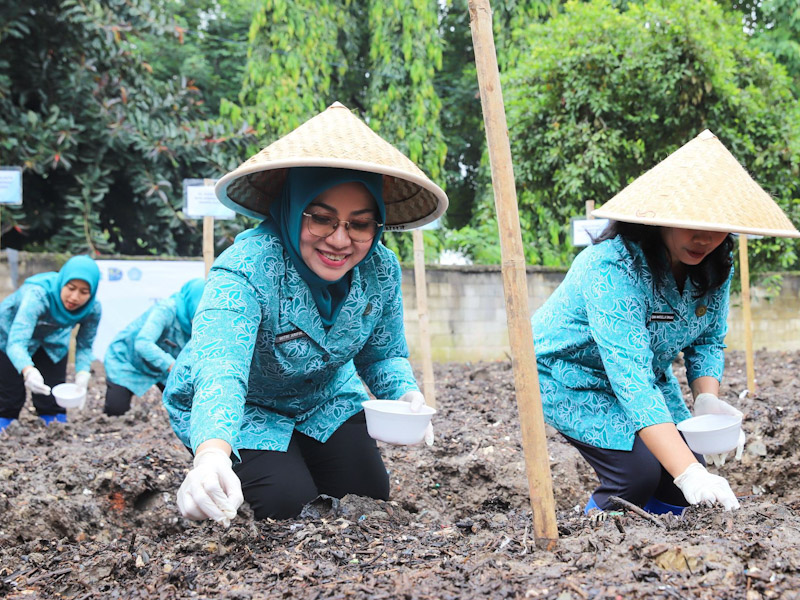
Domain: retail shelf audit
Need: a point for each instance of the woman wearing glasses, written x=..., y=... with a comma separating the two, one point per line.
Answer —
x=297, y=316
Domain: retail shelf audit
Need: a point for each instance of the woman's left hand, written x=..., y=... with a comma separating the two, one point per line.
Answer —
x=709, y=404
x=417, y=401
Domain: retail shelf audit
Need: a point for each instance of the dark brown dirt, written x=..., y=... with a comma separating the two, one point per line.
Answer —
x=88, y=511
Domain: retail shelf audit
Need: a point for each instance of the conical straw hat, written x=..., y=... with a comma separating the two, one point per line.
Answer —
x=699, y=186
x=335, y=138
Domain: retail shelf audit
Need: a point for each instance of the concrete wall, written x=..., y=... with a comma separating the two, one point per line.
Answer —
x=467, y=311
x=468, y=319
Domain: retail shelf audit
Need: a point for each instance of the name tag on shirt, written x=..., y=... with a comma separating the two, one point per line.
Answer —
x=658, y=317
x=289, y=336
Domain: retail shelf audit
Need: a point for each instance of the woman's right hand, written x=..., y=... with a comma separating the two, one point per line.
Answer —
x=211, y=490
x=34, y=381
x=698, y=485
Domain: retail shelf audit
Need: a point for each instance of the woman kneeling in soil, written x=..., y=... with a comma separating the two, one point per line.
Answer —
x=36, y=322
x=655, y=283
x=294, y=315
x=143, y=354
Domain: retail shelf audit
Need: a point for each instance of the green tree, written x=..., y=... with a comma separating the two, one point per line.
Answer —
x=104, y=144
x=602, y=95
x=778, y=31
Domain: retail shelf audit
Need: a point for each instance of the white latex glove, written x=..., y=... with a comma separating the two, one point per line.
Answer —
x=417, y=401
x=35, y=382
x=211, y=490
x=698, y=485
x=82, y=379
x=709, y=404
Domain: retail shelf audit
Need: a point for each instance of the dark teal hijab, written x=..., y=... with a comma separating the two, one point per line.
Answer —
x=77, y=267
x=186, y=301
x=303, y=185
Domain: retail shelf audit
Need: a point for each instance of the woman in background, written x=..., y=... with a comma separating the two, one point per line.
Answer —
x=36, y=322
x=142, y=354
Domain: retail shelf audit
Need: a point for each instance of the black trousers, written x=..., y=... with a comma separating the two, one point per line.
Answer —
x=279, y=484
x=12, y=385
x=118, y=398
x=634, y=475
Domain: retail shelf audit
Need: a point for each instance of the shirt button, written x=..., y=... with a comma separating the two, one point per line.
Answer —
x=700, y=310
x=309, y=381
x=326, y=357
x=368, y=309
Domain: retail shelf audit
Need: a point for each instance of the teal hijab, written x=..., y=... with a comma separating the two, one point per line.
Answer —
x=77, y=267
x=186, y=301
x=303, y=185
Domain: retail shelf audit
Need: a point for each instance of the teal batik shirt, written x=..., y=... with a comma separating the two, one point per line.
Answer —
x=260, y=364
x=606, y=339
x=27, y=325
x=141, y=354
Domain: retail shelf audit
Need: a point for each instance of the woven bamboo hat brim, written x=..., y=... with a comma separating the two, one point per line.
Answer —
x=335, y=138
x=699, y=186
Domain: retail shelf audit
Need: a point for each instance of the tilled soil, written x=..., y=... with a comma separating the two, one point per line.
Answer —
x=88, y=511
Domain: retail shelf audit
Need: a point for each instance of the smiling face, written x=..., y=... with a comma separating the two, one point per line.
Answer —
x=75, y=293
x=332, y=257
x=690, y=246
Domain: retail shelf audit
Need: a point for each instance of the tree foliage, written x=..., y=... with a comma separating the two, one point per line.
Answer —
x=378, y=58
x=601, y=95
x=104, y=144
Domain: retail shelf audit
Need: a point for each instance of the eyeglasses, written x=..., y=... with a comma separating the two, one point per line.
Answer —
x=359, y=230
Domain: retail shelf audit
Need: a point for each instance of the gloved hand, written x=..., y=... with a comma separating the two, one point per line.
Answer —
x=698, y=485
x=417, y=401
x=709, y=404
x=211, y=490
x=35, y=382
x=82, y=379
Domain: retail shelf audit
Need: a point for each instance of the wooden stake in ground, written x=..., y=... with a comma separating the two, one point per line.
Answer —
x=515, y=285
x=428, y=385
x=589, y=209
x=208, y=242
x=744, y=267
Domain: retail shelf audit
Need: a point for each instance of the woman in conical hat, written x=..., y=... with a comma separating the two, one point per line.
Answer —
x=295, y=315
x=654, y=284
x=36, y=323
x=144, y=352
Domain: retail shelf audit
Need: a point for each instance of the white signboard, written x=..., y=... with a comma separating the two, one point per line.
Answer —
x=584, y=230
x=10, y=185
x=129, y=287
x=199, y=200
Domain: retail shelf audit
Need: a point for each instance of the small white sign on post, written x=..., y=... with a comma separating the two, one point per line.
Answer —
x=11, y=185
x=584, y=230
x=200, y=201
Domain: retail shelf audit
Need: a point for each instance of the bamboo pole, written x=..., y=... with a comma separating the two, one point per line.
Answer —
x=208, y=242
x=428, y=383
x=589, y=209
x=744, y=266
x=515, y=284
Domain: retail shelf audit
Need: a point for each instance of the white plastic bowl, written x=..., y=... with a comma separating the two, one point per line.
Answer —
x=392, y=421
x=69, y=395
x=711, y=434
